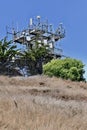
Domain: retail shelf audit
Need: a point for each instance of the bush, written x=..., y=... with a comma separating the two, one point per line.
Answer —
x=65, y=68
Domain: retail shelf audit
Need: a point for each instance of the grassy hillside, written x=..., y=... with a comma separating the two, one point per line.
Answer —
x=42, y=103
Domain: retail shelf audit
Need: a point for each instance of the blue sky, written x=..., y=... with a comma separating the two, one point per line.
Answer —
x=72, y=13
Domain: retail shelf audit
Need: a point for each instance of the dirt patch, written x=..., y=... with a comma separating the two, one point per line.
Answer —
x=57, y=94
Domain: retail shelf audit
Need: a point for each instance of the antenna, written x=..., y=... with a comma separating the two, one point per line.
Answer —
x=31, y=21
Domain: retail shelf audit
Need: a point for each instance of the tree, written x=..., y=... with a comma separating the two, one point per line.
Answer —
x=8, y=51
x=36, y=56
x=65, y=68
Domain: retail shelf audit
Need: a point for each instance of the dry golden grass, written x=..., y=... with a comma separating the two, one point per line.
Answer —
x=42, y=103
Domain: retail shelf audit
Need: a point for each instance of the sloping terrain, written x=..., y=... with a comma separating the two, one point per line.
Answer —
x=42, y=103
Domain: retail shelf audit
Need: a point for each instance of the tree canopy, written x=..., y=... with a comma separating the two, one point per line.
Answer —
x=7, y=50
x=65, y=68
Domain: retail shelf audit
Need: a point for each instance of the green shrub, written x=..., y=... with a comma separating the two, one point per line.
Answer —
x=74, y=74
x=65, y=68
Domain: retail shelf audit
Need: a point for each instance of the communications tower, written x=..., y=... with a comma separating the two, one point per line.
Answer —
x=42, y=32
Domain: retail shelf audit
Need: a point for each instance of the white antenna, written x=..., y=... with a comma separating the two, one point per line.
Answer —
x=31, y=21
